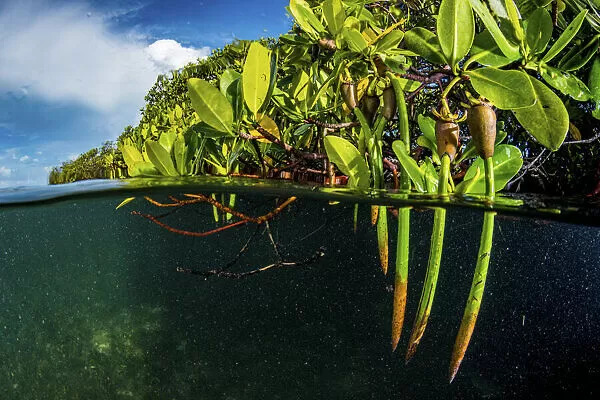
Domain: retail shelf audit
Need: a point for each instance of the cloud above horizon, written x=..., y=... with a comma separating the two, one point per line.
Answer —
x=68, y=82
x=65, y=54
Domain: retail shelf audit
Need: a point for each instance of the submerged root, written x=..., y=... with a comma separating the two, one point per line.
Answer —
x=400, y=289
x=199, y=198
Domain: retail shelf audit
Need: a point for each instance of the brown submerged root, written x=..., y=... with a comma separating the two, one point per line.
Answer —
x=462, y=342
x=400, y=290
x=415, y=337
x=199, y=198
x=374, y=214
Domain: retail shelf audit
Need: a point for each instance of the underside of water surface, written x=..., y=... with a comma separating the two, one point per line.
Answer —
x=97, y=303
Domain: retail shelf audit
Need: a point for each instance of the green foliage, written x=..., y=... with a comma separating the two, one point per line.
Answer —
x=507, y=90
x=507, y=163
x=100, y=163
x=347, y=158
x=565, y=37
x=547, y=120
x=256, y=77
x=203, y=118
x=456, y=29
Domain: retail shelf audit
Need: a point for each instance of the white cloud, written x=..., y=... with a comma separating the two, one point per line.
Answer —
x=24, y=158
x=168, y=54
x=60, y=54
x=5, y=172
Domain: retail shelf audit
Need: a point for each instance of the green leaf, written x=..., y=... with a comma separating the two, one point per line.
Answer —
x=131, y=155
x=515, y=20
x=509, y=49
x=304, y=16
x=389, y=41
x=431, y=176
x=487, y=51
x=507, y=163
x=547, y=120
x=538, y=29
x=417, y=176
x=256, y=76
x=352, y=22
x=427, y=126
x=180, y=153
x=160, y=159
x=424, y=141
x=299, y=87
x=211, y=105
x=456, y=29
x=124, y=202
x=507, y=90
x=235, y=97
x=227, y=78
x=565, y=37
x=424, y=43
x=347, y=158
x=356, y=42
x=578, y=56
x=143, y=169
x=594, y=80
x=167, y=139
x=466, y=186
x=333, y=11
x=594, y=85
x=565, y=82
x=408, y=85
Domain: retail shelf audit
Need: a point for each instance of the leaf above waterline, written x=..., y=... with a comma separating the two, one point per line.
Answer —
x=566, y=36
x=456, y=29
x=507, y=90
x=424, y=43
x=347, y=158
x=547, y=120
x=507, y=163
x=256, y=76
x=211, y=105
x=565, y=82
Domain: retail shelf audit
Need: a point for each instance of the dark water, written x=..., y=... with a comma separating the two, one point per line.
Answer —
x=92, y=306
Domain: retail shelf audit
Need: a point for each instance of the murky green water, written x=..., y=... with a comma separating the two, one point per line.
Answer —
x=92, y=305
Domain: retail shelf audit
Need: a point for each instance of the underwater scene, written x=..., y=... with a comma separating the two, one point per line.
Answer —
x=104, y=303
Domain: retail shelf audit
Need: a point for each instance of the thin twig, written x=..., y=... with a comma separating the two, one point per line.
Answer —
x=525, y=169
x=330, y=126
x=590, y=140
x=271, y=138
x=275, y=247
x=238, y=275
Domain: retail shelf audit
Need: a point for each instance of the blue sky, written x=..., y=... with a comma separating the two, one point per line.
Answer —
x=74, y=73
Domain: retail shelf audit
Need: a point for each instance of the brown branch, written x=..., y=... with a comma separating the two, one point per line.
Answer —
x=200, y=198
x=271, y=138
x=249, y=136
x=390, y=165
x=178, y=203
x=223, y=208
x=188, y=233
x=247, y=218
x=333, y=127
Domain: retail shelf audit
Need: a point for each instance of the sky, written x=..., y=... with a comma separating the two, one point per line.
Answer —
x=74, y=73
